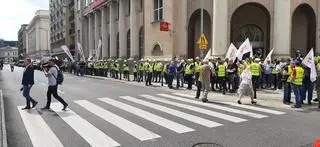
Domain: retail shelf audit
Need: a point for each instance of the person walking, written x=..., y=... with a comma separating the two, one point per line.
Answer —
x=256, y=72
x=52, y=74
x=205, y=80
x=172, y=70
x=27, y=83
x=222, y=72
x=246, y=87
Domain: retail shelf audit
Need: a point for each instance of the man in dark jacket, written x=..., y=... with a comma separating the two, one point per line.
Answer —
x=27, y=83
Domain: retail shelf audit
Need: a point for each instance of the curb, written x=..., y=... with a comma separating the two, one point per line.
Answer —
x=3, y=123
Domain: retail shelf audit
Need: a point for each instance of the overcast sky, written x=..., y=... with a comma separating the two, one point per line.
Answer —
x=14, y=13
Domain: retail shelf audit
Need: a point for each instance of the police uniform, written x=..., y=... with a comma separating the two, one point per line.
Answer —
x=297, y=82
x=126, y=73
x=189, y=69
x=222, y=71
x=256, y=73
x=135, y=72
x=148, y=69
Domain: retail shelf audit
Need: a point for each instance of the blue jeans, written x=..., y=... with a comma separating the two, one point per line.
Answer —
x=297, y=93
x=308, y=86
x=287, y=92
x=26, y=94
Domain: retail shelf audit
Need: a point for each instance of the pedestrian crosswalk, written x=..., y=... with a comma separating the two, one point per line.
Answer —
x=158, y=109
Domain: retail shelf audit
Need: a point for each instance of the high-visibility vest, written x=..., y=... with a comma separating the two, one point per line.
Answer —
x=197, y=67
x=158, y=67
x=165, y=68
x=318, y=66
x=240, y=70
x=299, y=76
x=221, y=71
x=125, y=67
x=188, y=70
x=255, y=69
x=134, y=69
x=105, y=65
x=141, y=67
x=117, y=67
x=289, y=80
x=274, y=71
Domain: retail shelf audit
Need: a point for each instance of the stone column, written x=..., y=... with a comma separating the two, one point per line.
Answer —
x=97, y=31
x=91, y=34
x=104, y=32
x=182, y=50
x=282, y=28
x=85, y=36
x=220, y=28
x=112, y=25
x=134, y=30
x=122, y=30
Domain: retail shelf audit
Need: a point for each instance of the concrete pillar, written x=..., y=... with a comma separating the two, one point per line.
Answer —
x=91, y=34
x=112, y=25
x=134, y=30
x=220, y=28
x=85, y=36
x=282, y=28
x=317, y=49
x=122, y=30
x=104, y=32
x=97, y=32
x=183, y=48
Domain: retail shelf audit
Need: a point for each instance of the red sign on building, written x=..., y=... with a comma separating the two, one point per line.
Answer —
x=97, y=3
x=164, y=26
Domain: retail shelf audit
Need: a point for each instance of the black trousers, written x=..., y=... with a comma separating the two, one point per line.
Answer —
x=149, y=78
x=189, y=81
x=199, y=86
x=53, y=90
x=197, y=77
x=255, y=82
x=135, y=76
x=170, y=80
x=222, y=84
x=275, y=81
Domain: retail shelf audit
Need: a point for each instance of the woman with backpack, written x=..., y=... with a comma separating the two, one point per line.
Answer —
x=55, y=77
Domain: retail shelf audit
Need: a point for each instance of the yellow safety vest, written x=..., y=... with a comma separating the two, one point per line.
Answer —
x=125, y=67
x=299, y=76
x=240, y=70
x=117, y=68
x=255, y=69
x=165, y=67
x=221, y=71
x=197, y=67
x=274, y=71
x=289, y=80
x=134, y=69
x=188, y=70
x=141, y=67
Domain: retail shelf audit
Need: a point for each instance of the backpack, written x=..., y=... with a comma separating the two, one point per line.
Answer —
x=60, y=76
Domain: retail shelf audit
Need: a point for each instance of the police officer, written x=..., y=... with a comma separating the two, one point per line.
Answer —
x=148, y=69
x=222, y=71
x=286, y=78
x=117, y=69
x=189, y=69
x=141, y=70
x=135, y=71
x=197, y=66
x=256, y=73
x=297, y=81
x=126, y=73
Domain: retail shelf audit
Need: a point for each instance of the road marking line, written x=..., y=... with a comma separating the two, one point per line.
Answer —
x=215, y=106
x=60, y=91
x=176, y=127
x=189, y=117
x=255, y=108
x=44, y=84
x=86, y=130
x=125, y=125
x=39, y=132
x=197, y=109
x=3, y=127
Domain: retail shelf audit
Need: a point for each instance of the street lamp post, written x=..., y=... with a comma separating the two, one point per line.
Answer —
x=47, y=40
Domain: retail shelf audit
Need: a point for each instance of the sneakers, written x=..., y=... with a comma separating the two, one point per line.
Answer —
x=34, y=104
x=26, y=108
x=65, y=107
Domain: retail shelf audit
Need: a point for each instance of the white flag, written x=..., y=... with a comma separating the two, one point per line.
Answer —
x=232, y=52
x=98, y=50
x=67, y=51
x=208, y=55
x=309, y=62
x=268, y=58
x=251, y=51
x=83, y=58
x=244, y=48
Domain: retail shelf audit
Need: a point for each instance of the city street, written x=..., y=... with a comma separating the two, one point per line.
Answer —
x=112, y=113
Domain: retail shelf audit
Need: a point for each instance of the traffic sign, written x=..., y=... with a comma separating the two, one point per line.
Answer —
x=203, y=42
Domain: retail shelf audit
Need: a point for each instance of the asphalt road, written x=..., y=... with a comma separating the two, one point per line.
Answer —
x=99, y=116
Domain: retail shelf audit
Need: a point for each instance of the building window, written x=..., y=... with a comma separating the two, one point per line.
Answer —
x=128, y=44
x=129, y=7
x=157, y=50
x=158, y=10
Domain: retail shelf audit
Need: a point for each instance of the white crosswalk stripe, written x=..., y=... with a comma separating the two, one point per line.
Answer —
x=39, y=132
x=87, y=131
x=179, y=104
x=127, y=126
x=189, y=117
x=149, y=116
x=255, y=115
x=197, y=109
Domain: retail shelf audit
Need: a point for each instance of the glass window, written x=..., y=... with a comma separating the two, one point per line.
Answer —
x=158, y=10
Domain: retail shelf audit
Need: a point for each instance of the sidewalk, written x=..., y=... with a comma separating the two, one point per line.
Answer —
x=3, y=134
x=265, y=97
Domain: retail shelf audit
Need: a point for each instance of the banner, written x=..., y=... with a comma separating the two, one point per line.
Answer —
x=80, y=51
x=244, y=48
x=309, y=62
x=67, y=51
x=98, y=50
x=268, y=58
x=251, y=51
x=232, y=52
x=208, y=55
